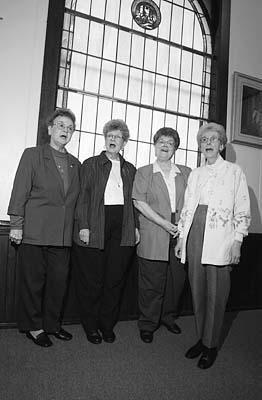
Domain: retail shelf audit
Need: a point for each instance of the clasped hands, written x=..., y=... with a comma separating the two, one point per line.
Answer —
x=16, y=236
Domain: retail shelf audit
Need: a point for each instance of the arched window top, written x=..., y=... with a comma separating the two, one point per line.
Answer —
x=110, y=67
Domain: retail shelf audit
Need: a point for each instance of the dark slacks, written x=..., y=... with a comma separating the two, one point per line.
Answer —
x=160, y=287
x=100, y=275
x=43, y=273
x=210, y=285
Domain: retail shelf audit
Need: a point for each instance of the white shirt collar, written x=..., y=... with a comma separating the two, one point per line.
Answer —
x=174, y=169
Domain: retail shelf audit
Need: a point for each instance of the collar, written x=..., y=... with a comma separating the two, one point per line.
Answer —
x=217, y=164
x=173, y=172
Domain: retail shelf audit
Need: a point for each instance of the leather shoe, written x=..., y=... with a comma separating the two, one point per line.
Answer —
x=195, y=350
x=62, y=335
x=41, y=340
x=208, y=358
x=147, y=336
x=174, y=328
x=108, y=336
x=94, y=337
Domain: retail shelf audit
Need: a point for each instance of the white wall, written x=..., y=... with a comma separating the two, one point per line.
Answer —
x=245, y=56
x=22, y=40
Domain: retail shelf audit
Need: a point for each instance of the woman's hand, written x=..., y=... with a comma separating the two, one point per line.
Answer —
x=170, y=228
x=235, y=252
x=84, y=235
x=16, y=236
x=178, y=248
x=137, y=236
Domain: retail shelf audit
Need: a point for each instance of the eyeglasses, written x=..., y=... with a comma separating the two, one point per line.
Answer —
x=62, y=127
x=212, y=139
x=116, y=137
x=168, y=143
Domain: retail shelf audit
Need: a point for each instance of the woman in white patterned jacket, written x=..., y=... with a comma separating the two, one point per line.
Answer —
x=214, y=220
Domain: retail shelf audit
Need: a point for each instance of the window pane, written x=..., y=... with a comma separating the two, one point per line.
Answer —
x=137, y=53
x=143, y=152
x=192, y=134
x=188, y=25
x=175, y=59
x=80, y=34
x=195, y=105
x=87, y=146
x=148, y=88
x=107, y=78
x=162, y=58
x=77, y=73
x=98, y=8
x=172, y=94
x=158, y=121
x=197, y=75
x=89, y=112
x=150, y=55
x=132, y=121
x=182, y=129
x=192, y=159
x=103, y=114
x=109, y=50
x=95, y=39
x=119, y=111
x=130, y=151
x=176, y=29
x=164, y=27
x=160, y=91
x=184, y=95
x=145, y=125
x=186, y=66
x=92, y=74
x=135, y=85
x=123, y=50
x=121, y=82
x=112, y=10
x=82, y=5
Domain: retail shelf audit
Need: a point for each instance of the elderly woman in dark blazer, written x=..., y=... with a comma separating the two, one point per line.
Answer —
x=214, y=220
x=41, y=210
x=158, y=194
x=105, y=234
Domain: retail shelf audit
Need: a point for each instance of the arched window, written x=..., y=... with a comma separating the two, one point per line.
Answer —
x=111, y=67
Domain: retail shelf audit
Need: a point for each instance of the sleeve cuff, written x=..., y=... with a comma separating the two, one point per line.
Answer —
x=239, y=237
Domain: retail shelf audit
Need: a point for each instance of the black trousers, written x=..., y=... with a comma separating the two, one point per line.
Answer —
x=100, y=275
x=43, y=273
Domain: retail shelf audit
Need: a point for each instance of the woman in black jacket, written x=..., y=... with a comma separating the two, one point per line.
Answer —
x=105, y=234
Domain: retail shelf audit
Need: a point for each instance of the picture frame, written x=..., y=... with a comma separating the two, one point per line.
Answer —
x=246, y=127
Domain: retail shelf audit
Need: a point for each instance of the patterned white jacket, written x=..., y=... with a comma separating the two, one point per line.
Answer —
x=228, y=213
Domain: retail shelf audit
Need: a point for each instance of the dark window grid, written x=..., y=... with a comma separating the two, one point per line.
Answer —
x=129, y=65
x=109, y=98
x=133, y=31
x=154, y=85
x=184, y=6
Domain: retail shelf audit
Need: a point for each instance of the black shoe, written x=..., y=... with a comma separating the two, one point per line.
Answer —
x=174, y=328
x=196, y=350
x=41, y=340
x=108, y=336
x=62, y=335
x=94, y=337
x=208, y=358
x=147, y=336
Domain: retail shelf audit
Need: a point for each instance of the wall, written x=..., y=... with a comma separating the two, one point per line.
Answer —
x=22, y=39
x=245, y=56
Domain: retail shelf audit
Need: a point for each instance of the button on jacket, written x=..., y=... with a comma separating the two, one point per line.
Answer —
x=38, y=196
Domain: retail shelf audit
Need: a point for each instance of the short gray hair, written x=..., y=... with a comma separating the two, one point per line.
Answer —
x=212, y=126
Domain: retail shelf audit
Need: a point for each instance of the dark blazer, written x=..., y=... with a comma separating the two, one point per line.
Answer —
x=38, y=196
x=90, y=211
x=150, y=187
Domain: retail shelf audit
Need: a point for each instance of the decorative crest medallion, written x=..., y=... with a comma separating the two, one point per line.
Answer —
x=146, y=14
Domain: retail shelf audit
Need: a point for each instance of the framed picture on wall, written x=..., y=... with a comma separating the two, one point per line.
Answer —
x=247, y=110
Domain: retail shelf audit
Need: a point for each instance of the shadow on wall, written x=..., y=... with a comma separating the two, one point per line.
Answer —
x=256, y=224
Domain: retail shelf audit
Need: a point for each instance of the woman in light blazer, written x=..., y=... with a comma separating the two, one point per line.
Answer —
x=214, y=220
